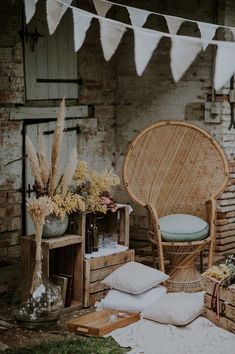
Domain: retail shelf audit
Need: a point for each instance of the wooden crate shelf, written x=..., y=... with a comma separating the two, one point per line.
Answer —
x=57, y=255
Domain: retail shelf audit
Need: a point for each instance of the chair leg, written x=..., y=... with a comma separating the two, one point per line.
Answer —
x=154, y=256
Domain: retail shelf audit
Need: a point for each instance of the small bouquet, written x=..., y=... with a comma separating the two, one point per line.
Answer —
x=224, y=273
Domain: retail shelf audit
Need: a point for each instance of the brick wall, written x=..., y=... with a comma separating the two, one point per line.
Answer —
x=95, y=143
x=154, y=96
x=11, y=93
x=121, y=103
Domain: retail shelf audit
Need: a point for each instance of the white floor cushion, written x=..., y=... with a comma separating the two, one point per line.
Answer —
x=119, y=300
x=134, y=278
x=176, y=308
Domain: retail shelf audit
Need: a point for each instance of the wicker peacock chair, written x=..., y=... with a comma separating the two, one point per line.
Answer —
x=173, y=167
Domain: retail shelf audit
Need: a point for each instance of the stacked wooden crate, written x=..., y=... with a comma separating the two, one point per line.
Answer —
x=225, y=223
x=225, y=317
x=97, y=268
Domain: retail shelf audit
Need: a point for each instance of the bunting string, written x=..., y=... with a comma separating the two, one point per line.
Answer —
x=184, y=49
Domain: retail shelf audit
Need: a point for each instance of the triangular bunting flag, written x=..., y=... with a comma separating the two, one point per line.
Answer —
x=110, y=35
x=207, y=32
x=145, y=43
x=138, y=17
x=102, y=7
x=173, y=23
x=233, y=32
x=81, y=23
x=224, y=65
x=55, y=11
x=30, y=7
x=183, y=53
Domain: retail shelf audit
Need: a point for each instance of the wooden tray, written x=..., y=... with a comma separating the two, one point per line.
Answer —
x=99, y=323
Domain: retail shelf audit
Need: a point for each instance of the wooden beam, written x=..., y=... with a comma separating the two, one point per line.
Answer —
x=22, y=113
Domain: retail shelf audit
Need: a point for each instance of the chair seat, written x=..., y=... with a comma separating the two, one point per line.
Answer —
x=183, y=227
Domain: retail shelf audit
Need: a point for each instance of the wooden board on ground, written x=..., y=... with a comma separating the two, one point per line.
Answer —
x=96, y=269
x=226, y=316
x=102, y=322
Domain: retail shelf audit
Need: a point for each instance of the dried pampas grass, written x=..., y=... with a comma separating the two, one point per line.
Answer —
x=56, y=148
x=33, y=159
x=38, y=209
x=69, y=172
x=42, y=157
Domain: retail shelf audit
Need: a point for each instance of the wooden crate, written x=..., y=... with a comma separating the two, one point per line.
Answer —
x=226, y=318
x=99, y=323
x=96, y=269
x=60, y=255
x=115, y=222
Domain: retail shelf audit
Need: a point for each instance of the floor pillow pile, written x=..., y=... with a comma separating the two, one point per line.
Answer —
x=134, y=287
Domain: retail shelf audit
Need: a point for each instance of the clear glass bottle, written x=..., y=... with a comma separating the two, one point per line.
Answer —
x=95, y=234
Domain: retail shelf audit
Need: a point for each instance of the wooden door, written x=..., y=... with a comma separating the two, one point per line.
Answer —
x=69, y=142
x=50, y=61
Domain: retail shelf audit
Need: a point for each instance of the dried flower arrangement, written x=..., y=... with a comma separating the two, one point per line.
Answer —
x=48, y=181
x=91, y=191
x=224, y=273
x=94, y=187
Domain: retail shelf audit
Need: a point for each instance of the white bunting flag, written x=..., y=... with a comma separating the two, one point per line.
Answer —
x=102, y=7
x=55, y=11
x=183, y=53
x=207, y=32
x=111, y=34
x=138, y=17
x=30, y=8
x=145, y=44
x=224, y=65
x=81, y=24
x=173, y=23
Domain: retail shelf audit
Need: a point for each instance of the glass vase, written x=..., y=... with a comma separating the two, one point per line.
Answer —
x=40, y=310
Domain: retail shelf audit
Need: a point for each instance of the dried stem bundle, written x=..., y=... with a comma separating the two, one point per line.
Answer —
x=38, y=209
x=43, y=163
x=34, y=162
x=56, y=148
x=69, y=172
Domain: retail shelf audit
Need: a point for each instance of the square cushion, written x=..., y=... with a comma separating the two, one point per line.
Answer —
x=118, y=300
x=176, y=308
x=135, y=278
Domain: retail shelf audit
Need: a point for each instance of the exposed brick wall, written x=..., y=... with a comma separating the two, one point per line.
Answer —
x=11, y=93
x=121, y=103
x=154, y=96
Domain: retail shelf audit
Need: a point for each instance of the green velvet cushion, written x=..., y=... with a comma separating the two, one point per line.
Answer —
x=183, y=227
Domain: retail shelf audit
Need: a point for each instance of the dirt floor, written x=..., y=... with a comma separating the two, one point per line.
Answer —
x=17, y=336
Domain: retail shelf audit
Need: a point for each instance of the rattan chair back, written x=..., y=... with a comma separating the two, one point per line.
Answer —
x=176, y=166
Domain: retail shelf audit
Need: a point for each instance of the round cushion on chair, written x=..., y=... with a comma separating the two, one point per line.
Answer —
x=183, y=227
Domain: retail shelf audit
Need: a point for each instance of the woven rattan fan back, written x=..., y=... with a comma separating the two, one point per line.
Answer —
x=176, y=166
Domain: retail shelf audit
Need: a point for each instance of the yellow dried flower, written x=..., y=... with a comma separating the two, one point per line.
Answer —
x=92, y=184
x=68, y=204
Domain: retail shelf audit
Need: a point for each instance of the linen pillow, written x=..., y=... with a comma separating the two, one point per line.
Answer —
x=118, y=300
x=134, y=278
x=176, y=308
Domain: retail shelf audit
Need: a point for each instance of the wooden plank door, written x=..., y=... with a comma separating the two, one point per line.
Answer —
x=51, y=70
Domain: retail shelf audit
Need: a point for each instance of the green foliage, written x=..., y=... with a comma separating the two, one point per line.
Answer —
x=91, y=345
